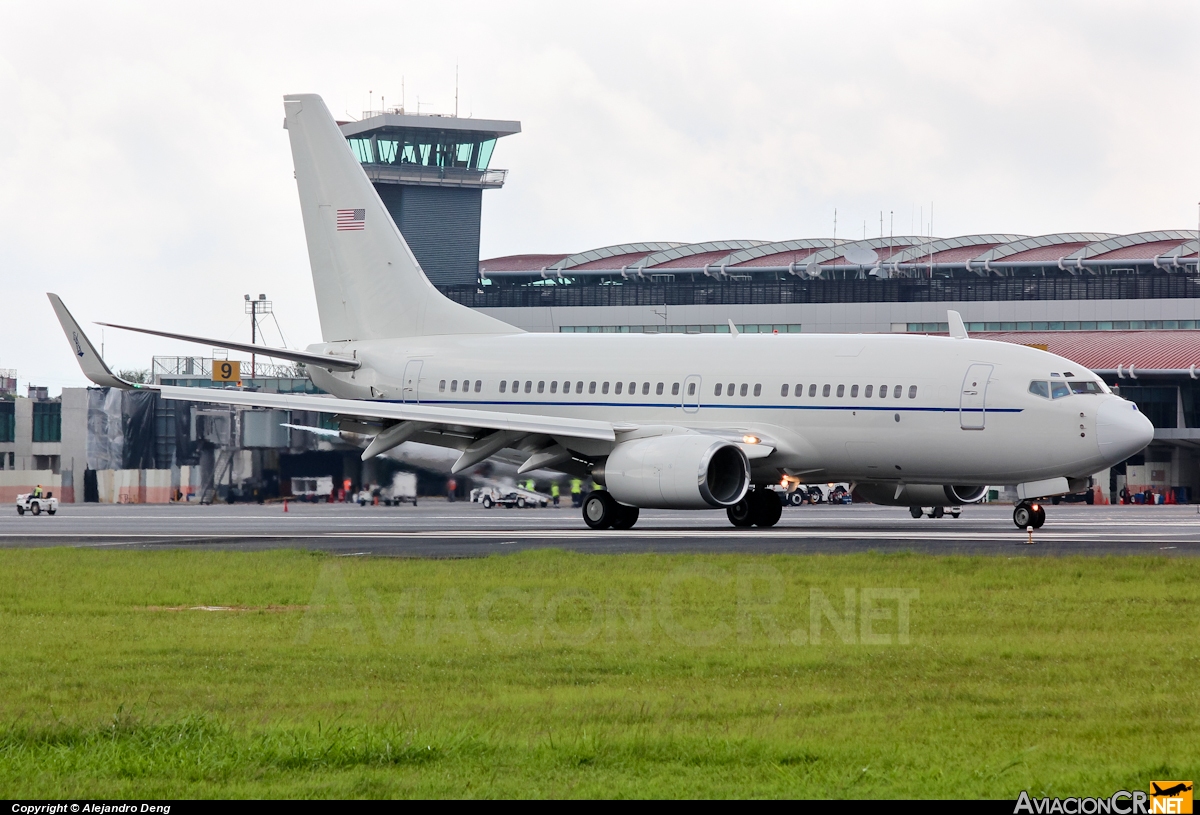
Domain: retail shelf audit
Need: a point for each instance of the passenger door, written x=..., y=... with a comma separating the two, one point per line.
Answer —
x=409, y=390
x=972, y=403
x=691, y=394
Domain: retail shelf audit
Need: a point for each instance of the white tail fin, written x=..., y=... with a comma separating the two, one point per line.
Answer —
x=368, y=284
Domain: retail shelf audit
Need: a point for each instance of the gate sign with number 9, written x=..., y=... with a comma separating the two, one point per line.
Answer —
x=226, y=371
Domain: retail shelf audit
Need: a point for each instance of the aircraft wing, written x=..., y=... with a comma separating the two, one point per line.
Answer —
x=405, y=412
x=509, y=425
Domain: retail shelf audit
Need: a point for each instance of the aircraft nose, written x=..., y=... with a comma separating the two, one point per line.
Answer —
x=1121, y=430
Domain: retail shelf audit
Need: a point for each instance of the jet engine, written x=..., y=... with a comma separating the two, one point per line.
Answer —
x=687, y=471
x=920, y=495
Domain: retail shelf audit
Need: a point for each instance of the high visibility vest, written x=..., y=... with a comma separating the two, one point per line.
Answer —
x=576, y=485
x=554, y=490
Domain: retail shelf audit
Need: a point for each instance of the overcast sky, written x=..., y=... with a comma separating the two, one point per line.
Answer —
x=145, y=175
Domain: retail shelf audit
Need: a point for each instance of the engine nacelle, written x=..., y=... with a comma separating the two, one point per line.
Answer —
x=920, y=495
x=686, y=471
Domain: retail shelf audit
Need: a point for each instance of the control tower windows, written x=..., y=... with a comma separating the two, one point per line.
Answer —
x=425, y=148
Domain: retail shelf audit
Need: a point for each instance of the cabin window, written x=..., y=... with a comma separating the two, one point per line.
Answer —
x=853, y=391
x=717, y=390
x=868, y=390
x=632, y=388
x=516, y=386
x=591, y=387
x=799, y=391
x=912, y=391
x=554, y=386
x=757, y=389
x=658, y=389
x=883, y=391
x=692, y=388
x=503, y=385
x=454, y=386
x=898, y=391
x=1058, y=390
x=579, y=386
x=478, y=385
x=617, y=388
x=442, y=385
x=841, y=391
x=528, y=385
x=604, y=388
x=1039, y=388
x=674, y=388
x=645, y=389
x=783, y=391
x=825, y=391
x=729, y=389
x=1085, y=387
x=745, y=388
x=812, y=390
x=542, y=387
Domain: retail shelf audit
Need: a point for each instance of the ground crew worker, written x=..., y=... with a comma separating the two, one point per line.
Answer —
x=529, y=485
x=37, y=491
x=554, y=492
x=576, y=492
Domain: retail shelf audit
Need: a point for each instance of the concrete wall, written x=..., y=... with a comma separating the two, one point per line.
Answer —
x=16, y=482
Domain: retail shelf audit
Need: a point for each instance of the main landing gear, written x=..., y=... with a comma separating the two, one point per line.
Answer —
x=760, y=507
x=1029, y=514
x=601, y=511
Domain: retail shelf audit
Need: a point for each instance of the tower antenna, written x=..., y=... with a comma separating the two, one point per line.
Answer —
x=456, y=89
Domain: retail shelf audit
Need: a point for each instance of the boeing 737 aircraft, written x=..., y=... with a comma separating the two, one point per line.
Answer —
x=671, y=421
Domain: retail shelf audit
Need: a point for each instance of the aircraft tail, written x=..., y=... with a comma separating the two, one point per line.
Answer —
x=367, y=281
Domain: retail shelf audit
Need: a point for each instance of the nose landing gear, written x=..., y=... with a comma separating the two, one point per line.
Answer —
x=1029, y=514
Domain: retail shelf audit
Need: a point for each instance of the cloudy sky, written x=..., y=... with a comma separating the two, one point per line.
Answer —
x=145, y=175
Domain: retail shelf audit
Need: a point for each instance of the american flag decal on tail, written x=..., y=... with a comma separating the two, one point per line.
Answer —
x=349, y=220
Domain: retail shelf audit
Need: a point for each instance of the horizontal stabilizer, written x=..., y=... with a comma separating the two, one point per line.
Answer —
x=327, y=361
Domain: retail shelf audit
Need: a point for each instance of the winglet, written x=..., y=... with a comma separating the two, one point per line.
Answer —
x=733, y=329
x=957, y=329
x=85, y=353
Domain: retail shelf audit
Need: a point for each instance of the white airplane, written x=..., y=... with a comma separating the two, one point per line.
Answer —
x=669, y=421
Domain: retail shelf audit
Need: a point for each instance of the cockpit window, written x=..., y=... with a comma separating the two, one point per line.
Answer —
x=1058, y=390
x=1040, y=388
x=1085, y=387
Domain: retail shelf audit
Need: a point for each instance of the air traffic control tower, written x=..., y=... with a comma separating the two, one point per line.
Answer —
x=431, y=171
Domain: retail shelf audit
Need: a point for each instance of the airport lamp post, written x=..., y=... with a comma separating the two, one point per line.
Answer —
x=254, y=308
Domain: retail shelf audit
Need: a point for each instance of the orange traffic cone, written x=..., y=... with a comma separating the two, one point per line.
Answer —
x=285, y=505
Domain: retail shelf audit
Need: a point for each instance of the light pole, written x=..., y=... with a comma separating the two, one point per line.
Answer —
x=254, y=308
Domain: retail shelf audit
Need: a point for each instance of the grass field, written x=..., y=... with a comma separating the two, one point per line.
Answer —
x=553, y=674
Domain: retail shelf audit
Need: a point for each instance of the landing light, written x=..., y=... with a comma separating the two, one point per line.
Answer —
x=750, y=439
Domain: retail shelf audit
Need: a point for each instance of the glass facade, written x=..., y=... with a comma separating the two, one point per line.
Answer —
x=425, y=148
x=8, y=421
x=1063, y=325
x=723, y=328
x=47, y=421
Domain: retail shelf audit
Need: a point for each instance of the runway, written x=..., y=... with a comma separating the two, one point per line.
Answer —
x=440, y=529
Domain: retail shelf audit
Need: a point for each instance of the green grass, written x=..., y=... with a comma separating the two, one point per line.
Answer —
x=553, y=674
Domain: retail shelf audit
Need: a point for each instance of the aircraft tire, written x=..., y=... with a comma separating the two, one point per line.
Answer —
x=742, y=513
x=625, y=517
x=1039, y=517
x=916, y=512
x=767, y=508
x=599, y=508
x=1023, y=515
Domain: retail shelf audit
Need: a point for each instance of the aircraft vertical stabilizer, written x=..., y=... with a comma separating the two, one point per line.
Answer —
x=367, y=281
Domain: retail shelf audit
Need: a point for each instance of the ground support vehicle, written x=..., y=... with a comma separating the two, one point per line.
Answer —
x=26, y=502
x=402, y=491
x=935, y=512
x=508, y=497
